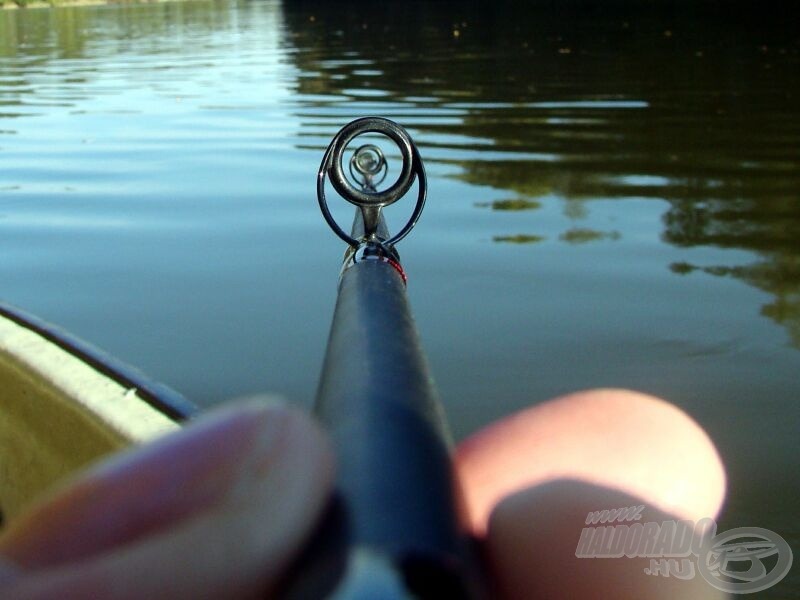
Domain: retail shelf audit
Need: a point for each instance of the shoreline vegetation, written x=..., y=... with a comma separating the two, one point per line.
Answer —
x=14, y=4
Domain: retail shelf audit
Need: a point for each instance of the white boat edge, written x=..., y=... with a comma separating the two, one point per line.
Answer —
x=64, y=404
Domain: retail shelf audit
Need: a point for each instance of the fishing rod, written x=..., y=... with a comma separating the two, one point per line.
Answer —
x=394, y=528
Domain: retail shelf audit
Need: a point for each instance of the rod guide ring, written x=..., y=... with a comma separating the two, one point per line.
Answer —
x=370, y=201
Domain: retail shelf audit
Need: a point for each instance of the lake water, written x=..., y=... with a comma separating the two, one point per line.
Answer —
x=614, y=200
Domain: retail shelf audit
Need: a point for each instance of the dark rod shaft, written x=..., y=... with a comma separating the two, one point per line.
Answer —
x=393, y=530
x=377, y=400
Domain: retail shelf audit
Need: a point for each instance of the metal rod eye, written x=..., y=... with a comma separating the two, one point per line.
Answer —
x=368, y=167
x=362, y=197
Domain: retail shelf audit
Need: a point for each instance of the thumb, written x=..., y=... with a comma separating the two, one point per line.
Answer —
x=218, y=509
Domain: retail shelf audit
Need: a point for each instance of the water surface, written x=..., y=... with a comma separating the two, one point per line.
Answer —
x=613, y=201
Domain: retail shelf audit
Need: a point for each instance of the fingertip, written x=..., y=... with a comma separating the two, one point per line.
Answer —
x=633, y=442
x=211, y=461
x=272, y=495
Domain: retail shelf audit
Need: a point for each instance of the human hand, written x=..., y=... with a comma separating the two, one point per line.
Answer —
x=216, y=510
x=221, y=508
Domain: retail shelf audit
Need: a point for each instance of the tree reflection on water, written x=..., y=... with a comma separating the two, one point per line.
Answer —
x=695, y=106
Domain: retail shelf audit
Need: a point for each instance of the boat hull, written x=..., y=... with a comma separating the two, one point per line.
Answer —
x=64, y=404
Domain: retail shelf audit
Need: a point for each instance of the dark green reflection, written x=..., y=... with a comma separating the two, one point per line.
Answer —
x=511, y=204
x=582, y=235
x=767, y=224
x=695, y=104
x=32, y=39
x=519, y=239
x=65, y=32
